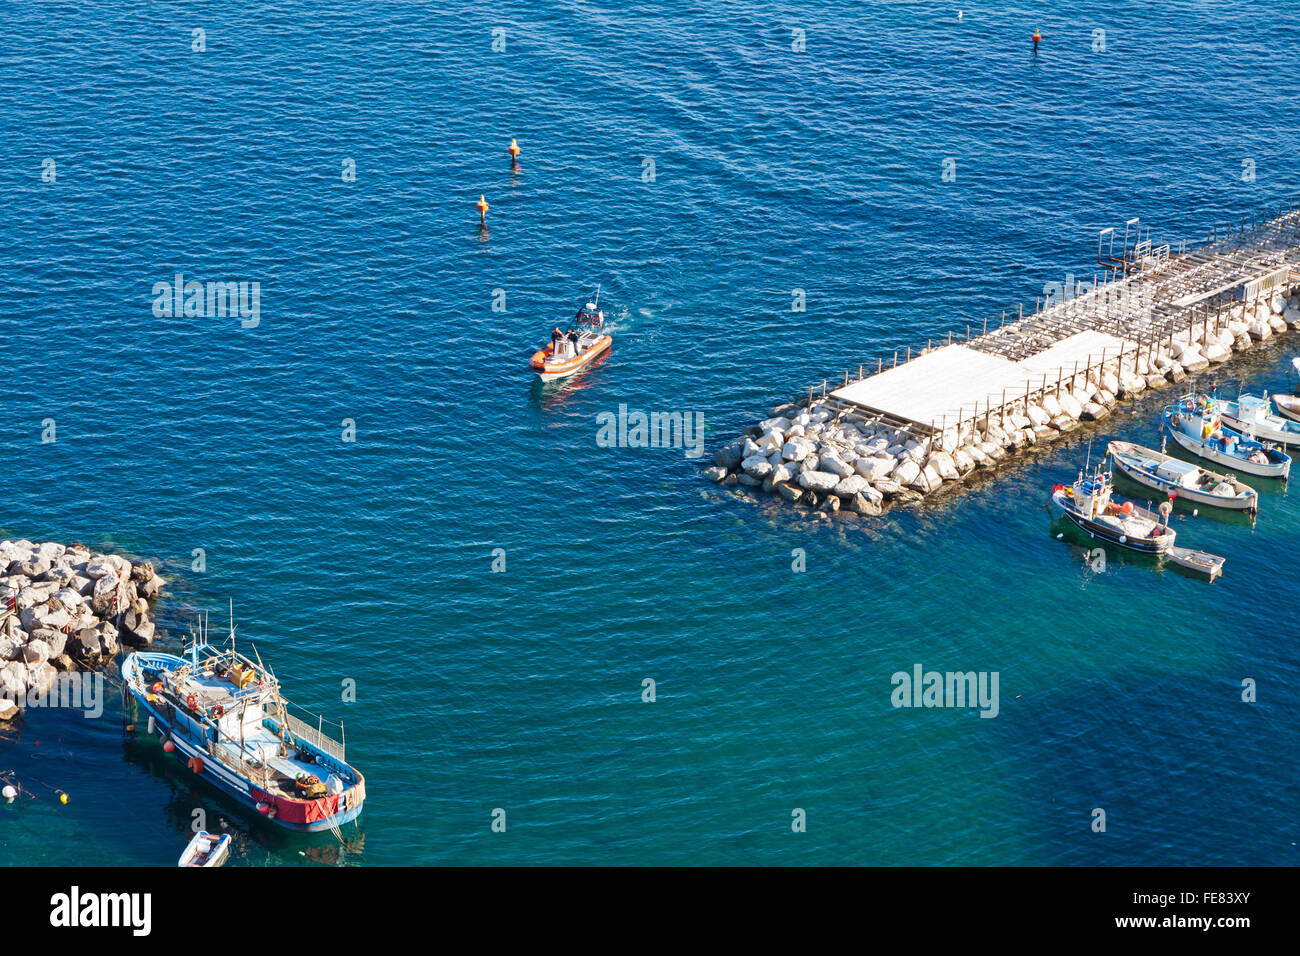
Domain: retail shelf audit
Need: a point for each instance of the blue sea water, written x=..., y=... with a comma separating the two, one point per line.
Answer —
x=774, y=169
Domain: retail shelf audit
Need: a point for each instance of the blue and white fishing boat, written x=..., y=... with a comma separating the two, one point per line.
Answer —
x=223, y=715
x=1194, y=423
x=1181, y=479
x=1251, y=416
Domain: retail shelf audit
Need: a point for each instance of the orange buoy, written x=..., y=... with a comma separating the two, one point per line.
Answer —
x=482, y=207
x=168, y=746
x=513, y=150
x=1037, y=37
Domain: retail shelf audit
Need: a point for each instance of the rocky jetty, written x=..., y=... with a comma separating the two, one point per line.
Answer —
x=66, y=608
x=831, y=458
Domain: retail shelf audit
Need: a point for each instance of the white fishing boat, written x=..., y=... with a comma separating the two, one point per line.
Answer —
x=1195, y=425
x=206, y=850
x=1181, y=479
x=1089, y=504
x=1288, y=406
x=1250, y=415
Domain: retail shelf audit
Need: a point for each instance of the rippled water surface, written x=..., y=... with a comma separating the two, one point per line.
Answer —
x=773, y=170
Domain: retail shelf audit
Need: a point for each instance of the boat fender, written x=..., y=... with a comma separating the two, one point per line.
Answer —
x=192, y=702
x=151, y=724
x=168, y=746
x=262, y=808
x=196, y=764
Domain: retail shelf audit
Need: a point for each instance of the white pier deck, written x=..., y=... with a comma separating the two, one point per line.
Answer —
x=953, y=383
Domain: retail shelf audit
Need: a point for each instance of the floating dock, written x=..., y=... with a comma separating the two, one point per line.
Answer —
x=1151, y=315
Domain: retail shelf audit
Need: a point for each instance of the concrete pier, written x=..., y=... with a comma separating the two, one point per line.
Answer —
x=897, y=430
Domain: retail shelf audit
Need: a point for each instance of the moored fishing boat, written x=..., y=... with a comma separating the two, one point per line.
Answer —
x=1194, y=424
x=1181, y=479
x=1288, y=406
x=1250, y=415
x=575, y=348
x=223, y=714
x=1089, y=504
x=206, y=850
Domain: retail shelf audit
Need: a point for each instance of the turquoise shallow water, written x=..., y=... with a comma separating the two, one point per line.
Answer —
x=774, y=170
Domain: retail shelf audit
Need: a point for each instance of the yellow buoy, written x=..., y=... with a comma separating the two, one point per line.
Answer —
x=482, y=206
x=514, y=149
x=63, y=797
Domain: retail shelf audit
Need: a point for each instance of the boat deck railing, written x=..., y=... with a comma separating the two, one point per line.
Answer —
x=316, y=736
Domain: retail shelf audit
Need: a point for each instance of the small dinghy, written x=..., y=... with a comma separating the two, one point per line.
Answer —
x=1211, y=565
x=575, y=348
x=1194, y=424
x=1288, y=406
x=1088, y=503
x=207, y=850
x=1250, y=415
x=1181, y=479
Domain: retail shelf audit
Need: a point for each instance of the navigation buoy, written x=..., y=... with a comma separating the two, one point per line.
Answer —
x=1037, y=38
x=513, y=150
x=482, y=207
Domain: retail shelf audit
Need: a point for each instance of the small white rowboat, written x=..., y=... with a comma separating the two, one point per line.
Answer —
x=206, y=850
x=1211, y=565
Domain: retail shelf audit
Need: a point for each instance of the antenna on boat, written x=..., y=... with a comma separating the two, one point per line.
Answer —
x=597, y=302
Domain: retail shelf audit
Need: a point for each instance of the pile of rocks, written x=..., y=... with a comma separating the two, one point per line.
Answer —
x=822, y=457
x=65, y=608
